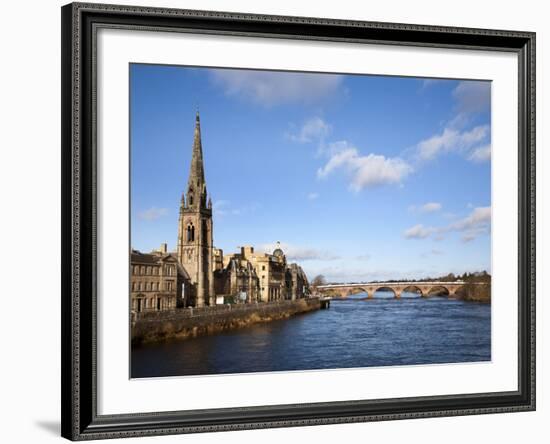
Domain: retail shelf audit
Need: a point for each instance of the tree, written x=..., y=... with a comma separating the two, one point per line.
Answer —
x=317, y=281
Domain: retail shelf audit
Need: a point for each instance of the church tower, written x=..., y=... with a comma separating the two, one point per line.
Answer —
x=195, y=230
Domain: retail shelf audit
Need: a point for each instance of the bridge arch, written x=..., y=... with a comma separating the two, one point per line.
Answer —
x=413, y=289
x=439, y=290
x=357, y=290
x=394, y=290
x=456, y=291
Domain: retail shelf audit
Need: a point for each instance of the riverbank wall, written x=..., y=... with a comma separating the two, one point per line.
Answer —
x=155, y=326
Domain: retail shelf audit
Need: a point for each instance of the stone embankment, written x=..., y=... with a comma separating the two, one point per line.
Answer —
x=153, y=326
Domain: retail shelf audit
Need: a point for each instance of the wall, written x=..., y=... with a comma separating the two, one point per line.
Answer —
x=30, y=188
x=159, y=325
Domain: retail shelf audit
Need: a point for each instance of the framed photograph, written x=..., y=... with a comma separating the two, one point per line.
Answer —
x=281, y=221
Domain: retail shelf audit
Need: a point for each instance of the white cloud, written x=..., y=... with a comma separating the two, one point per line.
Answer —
x=477, y=223
x=480, y=154
x=419, y=231
x=472, y=96
x=430, y=82
x=364, y=171
x=270, y=88
x=313, y=196
x=430, y=207
x=480, y=217
x=314, y=129
x=300, y=253
x=153, y=213
x=451, y=140
x=224, y=207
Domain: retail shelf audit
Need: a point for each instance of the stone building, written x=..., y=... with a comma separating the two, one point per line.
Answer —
x=197, y=272
x=157, y=281
x=237, y=280
x=277, y=280
x=296, y=281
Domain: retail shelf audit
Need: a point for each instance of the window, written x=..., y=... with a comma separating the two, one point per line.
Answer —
x=263, y=267
x=142, y=269
x=190, y=233
x=148, y=270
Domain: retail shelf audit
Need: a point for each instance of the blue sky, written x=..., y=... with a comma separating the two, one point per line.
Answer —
x=358, y=177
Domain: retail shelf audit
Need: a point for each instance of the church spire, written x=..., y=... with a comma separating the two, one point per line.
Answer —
x=196, y=185
x=196, y=172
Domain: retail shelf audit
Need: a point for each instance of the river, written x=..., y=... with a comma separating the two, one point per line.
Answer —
x=351, y=333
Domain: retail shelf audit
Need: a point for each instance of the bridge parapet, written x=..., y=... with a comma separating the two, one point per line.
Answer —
x=425, y=288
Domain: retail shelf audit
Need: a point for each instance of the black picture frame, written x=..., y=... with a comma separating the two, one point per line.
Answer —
x=79, y=170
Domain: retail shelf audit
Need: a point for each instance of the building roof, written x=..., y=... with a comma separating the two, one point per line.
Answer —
x=138, y=257
x=144, y=258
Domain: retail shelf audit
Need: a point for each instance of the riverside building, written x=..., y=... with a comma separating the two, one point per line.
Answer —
x=197, y=274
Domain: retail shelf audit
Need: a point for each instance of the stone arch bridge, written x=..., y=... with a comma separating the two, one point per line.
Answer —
x=423, y=288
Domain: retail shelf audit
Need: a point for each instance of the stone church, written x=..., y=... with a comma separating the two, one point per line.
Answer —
x=198, y=274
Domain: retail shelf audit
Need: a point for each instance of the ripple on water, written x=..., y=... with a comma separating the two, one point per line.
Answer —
x=352, y=333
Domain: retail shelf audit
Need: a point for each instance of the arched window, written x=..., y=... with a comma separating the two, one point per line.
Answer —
x=148, y=270
x=190, y=233
x=142, y=269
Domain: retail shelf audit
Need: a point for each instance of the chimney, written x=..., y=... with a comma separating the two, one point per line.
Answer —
x=163, y=248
